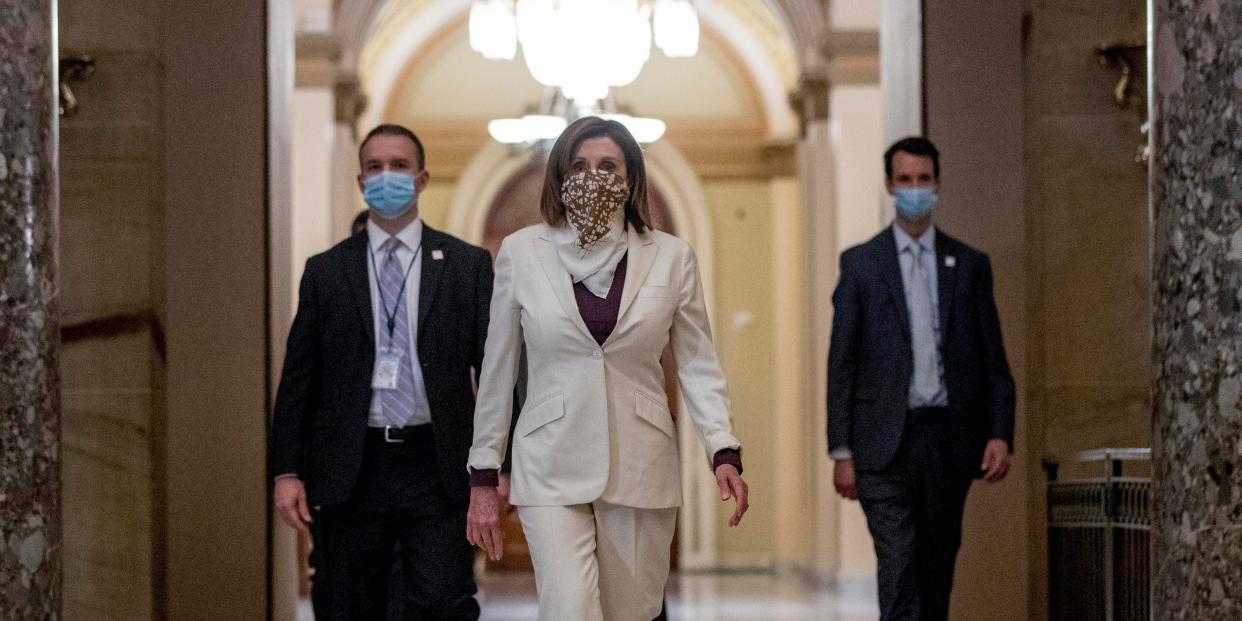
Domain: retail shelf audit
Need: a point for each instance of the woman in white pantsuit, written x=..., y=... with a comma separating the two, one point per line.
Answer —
x=595, y=294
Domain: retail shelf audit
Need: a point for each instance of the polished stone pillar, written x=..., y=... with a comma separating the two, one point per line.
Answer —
x=30, y=535
x=1196, y=202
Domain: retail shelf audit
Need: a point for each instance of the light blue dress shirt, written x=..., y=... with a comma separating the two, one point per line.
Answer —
x=928, y=242
x=412, y=237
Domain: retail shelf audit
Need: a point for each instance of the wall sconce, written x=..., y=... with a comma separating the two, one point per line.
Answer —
x=1131, y=60
x=73, y=68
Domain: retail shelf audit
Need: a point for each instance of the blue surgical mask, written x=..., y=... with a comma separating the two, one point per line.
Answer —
x=915, y=202
x=390, y=194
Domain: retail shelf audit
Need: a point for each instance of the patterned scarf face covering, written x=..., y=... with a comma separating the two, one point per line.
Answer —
x=591, y=199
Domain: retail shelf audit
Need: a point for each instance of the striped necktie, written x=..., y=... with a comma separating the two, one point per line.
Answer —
x=398, y=405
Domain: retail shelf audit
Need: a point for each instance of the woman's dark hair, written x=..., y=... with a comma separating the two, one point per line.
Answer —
x=561, y=160
x=914, y=145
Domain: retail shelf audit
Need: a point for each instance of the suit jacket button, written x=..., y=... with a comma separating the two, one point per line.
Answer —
x=597, y=354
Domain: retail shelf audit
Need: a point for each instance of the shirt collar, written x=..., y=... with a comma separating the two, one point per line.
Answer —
x=411, y=235
x=927, y=240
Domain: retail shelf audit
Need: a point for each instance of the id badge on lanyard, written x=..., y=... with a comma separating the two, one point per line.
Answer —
x=387, y=369
x=388, y=361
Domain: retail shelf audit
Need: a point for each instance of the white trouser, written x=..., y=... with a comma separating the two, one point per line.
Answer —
x=599, y=562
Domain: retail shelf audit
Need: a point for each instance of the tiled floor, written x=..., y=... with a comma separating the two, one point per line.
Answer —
x=699, y=597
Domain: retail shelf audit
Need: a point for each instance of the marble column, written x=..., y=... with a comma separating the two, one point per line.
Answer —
x=1196, y=202
x=30, y=535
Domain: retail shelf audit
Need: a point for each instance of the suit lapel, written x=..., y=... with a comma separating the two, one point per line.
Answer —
x=890, y=268
x=429, y=273
x=946, y=278
x=641, y=255
x=560, y=281
x=357, y=250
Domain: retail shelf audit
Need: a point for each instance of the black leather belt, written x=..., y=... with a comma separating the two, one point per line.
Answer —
x=397, y=435
x=927, y=415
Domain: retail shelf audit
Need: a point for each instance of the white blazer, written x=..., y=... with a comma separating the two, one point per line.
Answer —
x=595, y=424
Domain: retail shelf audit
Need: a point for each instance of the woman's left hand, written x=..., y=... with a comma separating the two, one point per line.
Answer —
x=483, y=521
x=732, y=486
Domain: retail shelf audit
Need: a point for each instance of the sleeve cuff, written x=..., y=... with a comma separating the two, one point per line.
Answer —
x=732, y=457
x=839, y=454
x=484, y=459
x=489, y=477
x=287, y=475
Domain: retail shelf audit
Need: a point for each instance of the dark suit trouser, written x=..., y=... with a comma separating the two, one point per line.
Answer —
x=398, y=508
x=914, y=512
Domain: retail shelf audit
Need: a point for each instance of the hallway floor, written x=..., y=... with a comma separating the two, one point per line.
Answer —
x=695, y=597
x=703, y=597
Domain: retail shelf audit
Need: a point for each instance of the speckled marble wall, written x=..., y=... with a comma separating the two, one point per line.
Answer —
x=1196, y=194
x=30, y=533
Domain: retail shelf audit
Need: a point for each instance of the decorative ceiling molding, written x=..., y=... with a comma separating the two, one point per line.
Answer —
x=805, y=20
x=318, y=56
x=810, y=100
x=355, y=21
x=837, y=43
x=853, y=56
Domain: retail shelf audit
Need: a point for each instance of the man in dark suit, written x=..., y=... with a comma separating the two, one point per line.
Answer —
x=374, y=414
x=920, y=398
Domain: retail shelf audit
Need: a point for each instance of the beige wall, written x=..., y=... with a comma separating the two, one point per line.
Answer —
x=857, y=128
x=111, y=258
x=974, y=112
x=435, y=202
x=742, y=217
x=164, y=479
x=1088, y=247
x=216, y=191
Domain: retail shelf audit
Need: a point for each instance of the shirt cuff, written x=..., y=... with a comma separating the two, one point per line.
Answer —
x=840, y=454
x=732, y=457
x=287, y=475
x=489, y=477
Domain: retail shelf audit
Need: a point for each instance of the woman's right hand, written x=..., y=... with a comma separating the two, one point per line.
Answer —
x=483, y=521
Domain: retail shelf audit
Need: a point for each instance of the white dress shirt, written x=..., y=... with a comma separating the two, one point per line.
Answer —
x=928, y=241
x=411, y=236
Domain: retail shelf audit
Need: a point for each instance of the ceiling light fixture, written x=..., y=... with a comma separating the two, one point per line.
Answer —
x=583, y=47
x=556, y=112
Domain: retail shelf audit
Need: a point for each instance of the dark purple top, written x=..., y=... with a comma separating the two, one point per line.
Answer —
x=600, y=317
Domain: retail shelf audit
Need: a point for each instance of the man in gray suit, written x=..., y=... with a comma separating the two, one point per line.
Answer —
x=920, y=398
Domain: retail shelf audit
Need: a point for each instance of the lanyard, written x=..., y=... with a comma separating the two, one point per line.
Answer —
x=392, y=317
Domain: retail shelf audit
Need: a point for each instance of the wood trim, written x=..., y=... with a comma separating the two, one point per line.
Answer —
x=117, y=324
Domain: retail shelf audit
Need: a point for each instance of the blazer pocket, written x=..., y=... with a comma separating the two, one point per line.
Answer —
x=655, y=291
x=549, y=410
x=655, y=413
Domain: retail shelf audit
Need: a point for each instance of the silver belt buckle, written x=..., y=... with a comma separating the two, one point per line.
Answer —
x=388, y=435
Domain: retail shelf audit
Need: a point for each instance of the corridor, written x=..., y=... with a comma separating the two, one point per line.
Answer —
x=510, y=596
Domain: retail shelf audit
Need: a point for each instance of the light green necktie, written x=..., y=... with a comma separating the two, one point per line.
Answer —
x=922, y=329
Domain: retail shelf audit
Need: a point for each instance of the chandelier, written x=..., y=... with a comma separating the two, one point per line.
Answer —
x=583, y=47
x=556, y=112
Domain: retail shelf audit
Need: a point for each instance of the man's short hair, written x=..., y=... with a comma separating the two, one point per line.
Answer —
x=914, y=145
x=392, y=129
